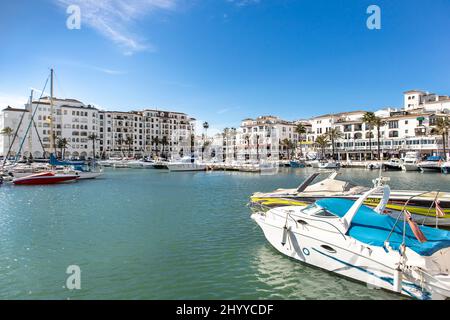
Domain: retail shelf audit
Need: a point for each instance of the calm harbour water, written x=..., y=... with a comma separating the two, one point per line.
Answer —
x=151, y=234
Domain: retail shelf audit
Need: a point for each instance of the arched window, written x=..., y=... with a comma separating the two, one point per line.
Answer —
x=358, y=135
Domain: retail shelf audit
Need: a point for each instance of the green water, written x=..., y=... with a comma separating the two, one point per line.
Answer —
x=150, y=234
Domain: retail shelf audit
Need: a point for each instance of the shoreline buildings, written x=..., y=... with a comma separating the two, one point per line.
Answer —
x=150, y=132
x=84, y=127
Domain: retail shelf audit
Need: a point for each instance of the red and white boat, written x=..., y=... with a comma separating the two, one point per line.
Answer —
x=45, y=178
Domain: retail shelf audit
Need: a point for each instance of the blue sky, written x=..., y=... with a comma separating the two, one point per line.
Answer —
x=225, y=60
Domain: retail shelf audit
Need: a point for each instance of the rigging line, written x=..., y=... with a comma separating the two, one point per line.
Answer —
x=39, y=137
x=32, y=117
x=59, y=84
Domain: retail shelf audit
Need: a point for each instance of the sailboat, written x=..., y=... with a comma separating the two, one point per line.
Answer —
x=353, y=240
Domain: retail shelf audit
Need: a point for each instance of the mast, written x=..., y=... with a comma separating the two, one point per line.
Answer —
x=30, y=135
x=52, y=133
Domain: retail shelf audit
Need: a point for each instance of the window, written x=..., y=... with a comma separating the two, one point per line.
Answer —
x=393, y=134
x=393, y=124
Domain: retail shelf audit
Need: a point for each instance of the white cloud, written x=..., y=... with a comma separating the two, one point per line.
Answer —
x=225, y=110
x=243, y=3
x=114, y=19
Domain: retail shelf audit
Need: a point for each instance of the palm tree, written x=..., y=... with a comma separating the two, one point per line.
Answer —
x=247, y=140
x=300, y=129
x=192, y=146
x=206, y=127
x=129, y=141
x=334, y=134
x=8, y=132
x=289, y=145
x=257, y=147
x=164, y=143
x=120, y=142
x=62, y=144
x=205, y=145
x=156, y=141
x=442, y=128
x=93, y=137
x=368, y=119
x=378, y=123
x=322, y=142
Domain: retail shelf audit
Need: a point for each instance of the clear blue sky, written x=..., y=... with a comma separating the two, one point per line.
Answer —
x=225, y=60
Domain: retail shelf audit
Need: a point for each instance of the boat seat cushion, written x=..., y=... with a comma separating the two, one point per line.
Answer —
x=372, y=228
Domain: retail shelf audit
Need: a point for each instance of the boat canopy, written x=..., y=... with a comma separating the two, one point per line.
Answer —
x=434, y=158
x=372, y=228
x=55, y=162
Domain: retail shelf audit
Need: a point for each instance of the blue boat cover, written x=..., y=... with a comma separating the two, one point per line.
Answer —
x=55, y=162
x=372, y=228
x=434, y=158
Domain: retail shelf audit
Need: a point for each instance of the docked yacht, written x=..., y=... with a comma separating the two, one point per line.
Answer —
x=329, y=165
x=420, y=203
x=361, y=243
x=431, y=164
x=411, y=161
x=186, y=164
x=392, y=165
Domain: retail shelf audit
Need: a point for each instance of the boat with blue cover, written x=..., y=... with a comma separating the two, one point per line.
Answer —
x=356, y=241
x=420, y=203
x=431, y=164
x=296, y=164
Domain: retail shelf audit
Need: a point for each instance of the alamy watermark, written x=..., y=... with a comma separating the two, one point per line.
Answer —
x=73, y=22
x=374, y=20
x=73, y=281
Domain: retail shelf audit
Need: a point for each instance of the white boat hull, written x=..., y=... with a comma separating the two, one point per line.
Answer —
x=89, y=175
x=179, y=167
x=410, y=167
x=344, y=256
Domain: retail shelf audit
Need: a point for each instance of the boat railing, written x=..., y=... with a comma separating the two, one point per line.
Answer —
x=267, y=208
x=402, y=212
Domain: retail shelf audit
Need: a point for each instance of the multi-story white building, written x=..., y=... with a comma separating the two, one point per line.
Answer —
x=11, y=118
x=265, y=137
x=85, y=127
x=147, y=132
x=406, y=129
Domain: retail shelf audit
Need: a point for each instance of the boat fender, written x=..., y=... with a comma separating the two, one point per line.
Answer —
x=398, y=278
x=285, y=234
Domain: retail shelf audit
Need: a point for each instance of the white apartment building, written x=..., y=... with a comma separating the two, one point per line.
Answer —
x=10, y=118
x=264, y=137
x=134, y=133
x=406, y=129
x=147, y=132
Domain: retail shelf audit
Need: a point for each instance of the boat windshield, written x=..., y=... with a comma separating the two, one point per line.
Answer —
x=315, y=210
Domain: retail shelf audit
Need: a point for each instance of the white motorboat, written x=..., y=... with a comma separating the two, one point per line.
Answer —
x=419, y=203
x=373, y=166
x=392, y=165
x=431, y=164
x=186, y=164
x=355, y=241
x=411, y=161
x=329, y=165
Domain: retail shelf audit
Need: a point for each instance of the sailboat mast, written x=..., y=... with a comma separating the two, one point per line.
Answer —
x=52, y=133
x=30, y=134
